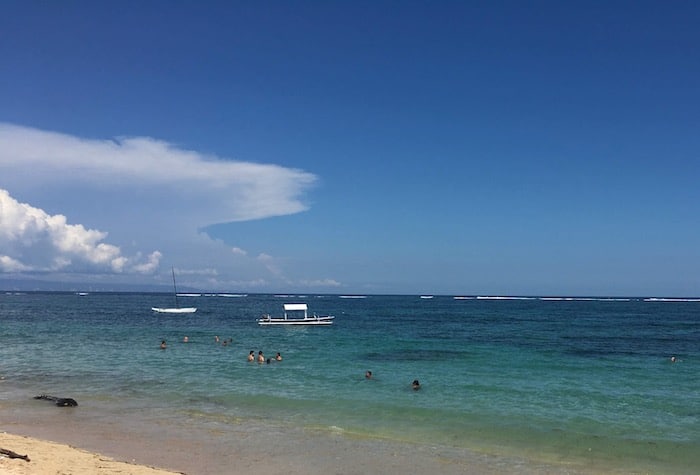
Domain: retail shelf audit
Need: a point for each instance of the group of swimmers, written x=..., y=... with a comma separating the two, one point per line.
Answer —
x=415, y=385
x=186, y=339
x=261, y=357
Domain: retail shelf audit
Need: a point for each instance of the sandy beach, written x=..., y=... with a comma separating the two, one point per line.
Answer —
x=50, y=458
x=339, y=455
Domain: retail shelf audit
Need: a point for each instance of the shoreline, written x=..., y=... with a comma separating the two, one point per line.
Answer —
x=288, y=451
x=157, y=441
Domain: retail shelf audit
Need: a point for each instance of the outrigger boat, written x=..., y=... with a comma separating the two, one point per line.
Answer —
x=296, y=314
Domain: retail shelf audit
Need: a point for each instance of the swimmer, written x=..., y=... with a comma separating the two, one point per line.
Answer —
x=673, y=359
x=278, y=357
x=163, y=345
x=261, y=357
x=368, y=375
x=415, y=385
x=185, y=340
x=251, y=355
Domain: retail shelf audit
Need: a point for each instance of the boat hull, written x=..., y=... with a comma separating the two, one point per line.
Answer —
x=174, y=310
x=296, y=314
x=305, y=321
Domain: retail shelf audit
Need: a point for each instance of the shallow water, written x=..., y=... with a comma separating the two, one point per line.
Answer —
x=573, y=381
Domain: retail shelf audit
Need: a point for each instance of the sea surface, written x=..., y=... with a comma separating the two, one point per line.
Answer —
x=584, y=381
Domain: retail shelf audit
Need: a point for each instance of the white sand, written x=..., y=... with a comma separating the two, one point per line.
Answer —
x=49, y=458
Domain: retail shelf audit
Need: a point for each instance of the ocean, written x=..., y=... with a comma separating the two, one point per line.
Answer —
x=582, y=382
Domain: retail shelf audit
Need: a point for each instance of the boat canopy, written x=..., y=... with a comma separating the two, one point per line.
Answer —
x=295, y=306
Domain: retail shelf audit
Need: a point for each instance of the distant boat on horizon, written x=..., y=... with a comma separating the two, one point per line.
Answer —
x=177, y=308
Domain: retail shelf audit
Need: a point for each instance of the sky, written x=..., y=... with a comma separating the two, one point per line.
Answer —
x=364, y=147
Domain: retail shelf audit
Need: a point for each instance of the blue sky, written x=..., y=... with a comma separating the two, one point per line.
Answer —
x=488, y=148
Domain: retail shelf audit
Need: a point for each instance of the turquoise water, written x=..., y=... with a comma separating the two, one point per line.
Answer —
x=587, y=381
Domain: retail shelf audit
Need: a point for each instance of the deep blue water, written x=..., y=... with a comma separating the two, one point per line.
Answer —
x=570, y=379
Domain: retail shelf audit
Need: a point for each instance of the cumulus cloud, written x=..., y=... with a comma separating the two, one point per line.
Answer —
x=33, y=240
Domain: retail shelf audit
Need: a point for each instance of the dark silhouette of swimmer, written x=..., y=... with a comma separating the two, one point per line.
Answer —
x=415, y=385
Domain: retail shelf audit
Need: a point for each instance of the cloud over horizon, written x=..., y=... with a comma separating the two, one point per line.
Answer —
x=31, y=240
x=144, y=193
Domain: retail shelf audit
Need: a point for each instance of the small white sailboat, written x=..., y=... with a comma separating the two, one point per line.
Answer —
x=177, y=308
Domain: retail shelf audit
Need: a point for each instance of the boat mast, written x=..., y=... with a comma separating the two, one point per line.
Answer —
x=175, y=287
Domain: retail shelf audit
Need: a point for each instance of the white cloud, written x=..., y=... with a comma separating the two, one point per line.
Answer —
x=239, y=251
x=320, y=283
x=151, y=264
x=205, y=189
x=207, y=272
x=147, y=194
x=33, y=240
x=8, y=264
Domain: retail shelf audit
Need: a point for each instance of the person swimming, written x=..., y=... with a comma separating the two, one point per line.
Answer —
x=415, y=385
x=251, y=355
x=163, y=345
x=368, y=375
x=261, y=357
x=278, y=357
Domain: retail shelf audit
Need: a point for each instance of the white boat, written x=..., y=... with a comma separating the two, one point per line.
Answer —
x=174, y=310
x=177, y=308
x=296, y=314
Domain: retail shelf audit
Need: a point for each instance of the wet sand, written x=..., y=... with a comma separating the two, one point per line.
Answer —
x=243, y=450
